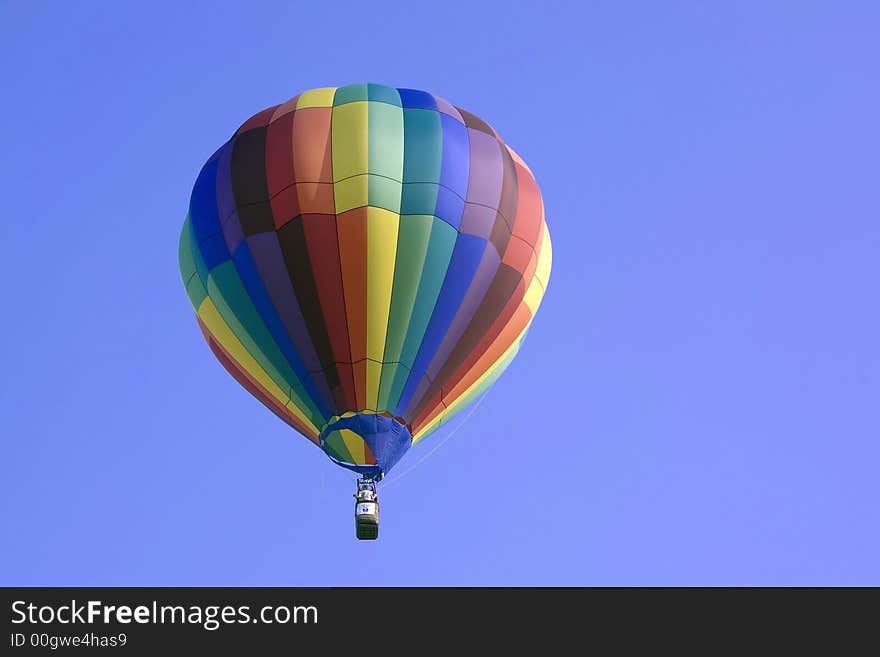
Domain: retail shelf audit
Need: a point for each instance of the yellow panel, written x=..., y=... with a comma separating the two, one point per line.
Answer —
x=355, y=445
x=374, y=379
x=210, y=316
x=533, y=296
x=351, y=193
x=322, y=97
x=545, y=260
x=349, y=140
x=382, y=227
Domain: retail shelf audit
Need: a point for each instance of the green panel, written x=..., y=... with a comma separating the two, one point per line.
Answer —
x=383, y=94
x=198, y=258
x=384, y=193
x=437, y=259
x=412, y=246
x=335, y=446
x=419, y=198
x=350, y=94
x=423, y=139
x=196, y=291
x=238, y=311
x=385, y=140
x=184, y=251
x=187, y=255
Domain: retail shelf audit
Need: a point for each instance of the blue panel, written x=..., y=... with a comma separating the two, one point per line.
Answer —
x=417, y=99
x=250, y=277
x=204, y=217
x=203, y=203
x=450, y=206
x=456, y=156
x=214, y=251
x=465, y=259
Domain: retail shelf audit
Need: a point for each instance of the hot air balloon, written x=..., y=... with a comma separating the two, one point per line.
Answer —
x=365, y=261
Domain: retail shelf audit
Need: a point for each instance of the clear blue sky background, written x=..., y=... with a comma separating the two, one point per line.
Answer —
x=697, y=402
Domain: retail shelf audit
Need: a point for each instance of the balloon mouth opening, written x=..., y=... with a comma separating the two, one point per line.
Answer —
x=367, y=443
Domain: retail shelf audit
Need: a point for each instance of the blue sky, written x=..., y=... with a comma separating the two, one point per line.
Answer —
x=697, y=402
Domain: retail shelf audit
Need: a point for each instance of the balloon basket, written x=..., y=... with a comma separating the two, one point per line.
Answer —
x=366, y=510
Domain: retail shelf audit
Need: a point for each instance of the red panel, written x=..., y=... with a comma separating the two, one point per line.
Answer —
x=279, y=154
x=518, y=255
x=369, y=459
x=258, y=120
x=285, y=206
x=527, y=223
x=284, y=108
x=323, y=247
x=312, y=158
x=359, y=372
x=316, y=198
x=351, y=227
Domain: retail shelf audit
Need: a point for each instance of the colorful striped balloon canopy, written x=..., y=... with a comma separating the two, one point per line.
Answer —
x=365, y=261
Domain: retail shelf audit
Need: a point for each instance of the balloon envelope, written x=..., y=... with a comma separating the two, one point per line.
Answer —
x=365, y=261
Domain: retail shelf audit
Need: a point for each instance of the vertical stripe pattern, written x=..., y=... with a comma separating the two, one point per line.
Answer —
x=365, y=261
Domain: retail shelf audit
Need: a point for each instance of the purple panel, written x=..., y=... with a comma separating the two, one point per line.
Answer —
x=487, y=170
x=225, y=199
x=472, y=300
x=422, y=387
x=478, y=220
x=232, y=232
x=229, y=221
x=270, y=262
x=448, y=109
